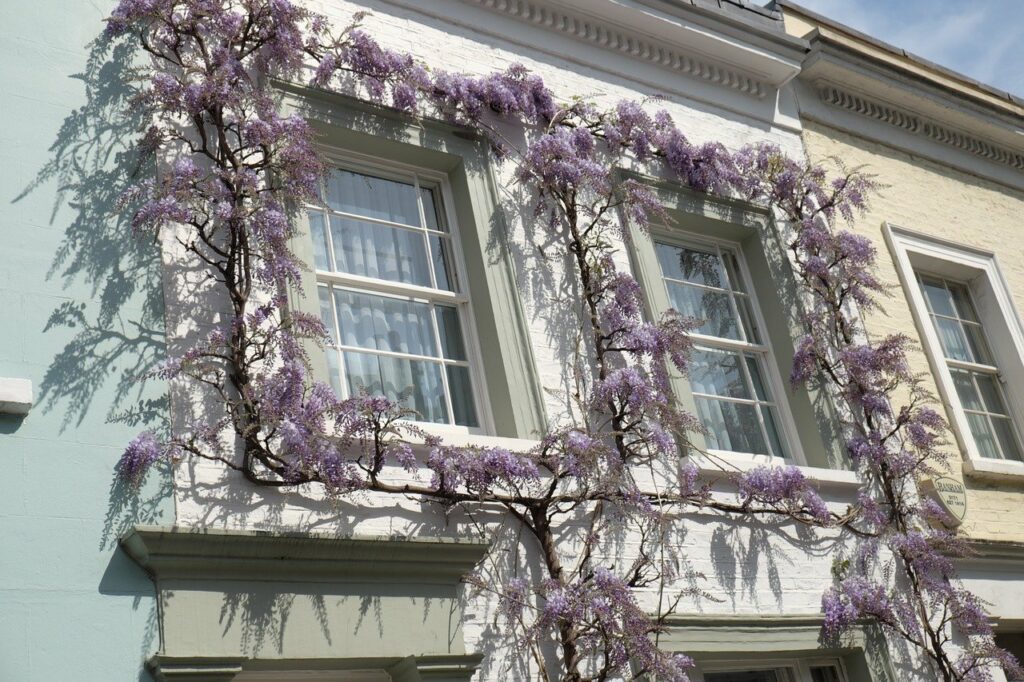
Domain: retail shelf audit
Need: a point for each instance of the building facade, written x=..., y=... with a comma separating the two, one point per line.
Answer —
x=948, y=153
x=203, y=576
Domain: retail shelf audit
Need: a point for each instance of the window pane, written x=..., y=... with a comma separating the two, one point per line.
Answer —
x=733, y=270
x=711, y=306
x=691, y=265
x=731, y=426
x=743, y=676
x=983, y=437
x=755, y=376
x=431, y=209
x=951, y=337
x=717, y=373
x=462, y=395
x=938, y=297
x=962, y=300
x=414, y=383
x=990, y=394
x=825, y=674
x=977, y=345
x=321, y=257
x=334, y=369
x=378, y=251
x=746, y=310
x=771, y=426
x=326, y=310
x=1007, y=439
x=373, y=197
x=384, y=323
x=965, y=390
x=451, y=332
x=444, y=270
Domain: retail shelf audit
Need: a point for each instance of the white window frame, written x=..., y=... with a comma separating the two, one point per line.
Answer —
x=336, y=157
x=914, y=253
x=791, y=669
x=787, y=425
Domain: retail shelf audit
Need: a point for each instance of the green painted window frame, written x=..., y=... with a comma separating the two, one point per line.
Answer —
x=513, y=389
x=717, y=642
x=754, y=234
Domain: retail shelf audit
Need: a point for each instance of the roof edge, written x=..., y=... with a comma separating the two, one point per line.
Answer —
x=983, y=92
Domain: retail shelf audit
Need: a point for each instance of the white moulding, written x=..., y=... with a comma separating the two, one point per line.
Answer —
x=15, y=396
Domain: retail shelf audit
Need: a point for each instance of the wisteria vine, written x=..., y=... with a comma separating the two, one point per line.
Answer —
x=235, y=167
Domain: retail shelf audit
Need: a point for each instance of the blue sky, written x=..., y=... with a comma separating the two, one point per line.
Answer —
x=983, y=39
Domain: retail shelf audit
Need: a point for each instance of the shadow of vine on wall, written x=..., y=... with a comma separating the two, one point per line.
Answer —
x=114, y=330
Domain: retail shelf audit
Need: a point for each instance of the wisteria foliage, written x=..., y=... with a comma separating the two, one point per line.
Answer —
x=234, y=168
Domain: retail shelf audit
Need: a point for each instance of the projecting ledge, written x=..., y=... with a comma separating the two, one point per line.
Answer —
x=435, y=668
x=181, y=552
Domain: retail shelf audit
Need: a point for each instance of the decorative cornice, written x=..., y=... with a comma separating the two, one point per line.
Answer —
x=609, y=37
x=177, y=552
x=916, y=124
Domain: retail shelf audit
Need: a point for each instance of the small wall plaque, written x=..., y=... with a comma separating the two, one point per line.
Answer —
x=952, y=497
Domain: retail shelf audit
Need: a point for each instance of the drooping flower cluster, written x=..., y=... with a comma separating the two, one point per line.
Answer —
x=237, y=165
x=783, y=486
x=613, y=629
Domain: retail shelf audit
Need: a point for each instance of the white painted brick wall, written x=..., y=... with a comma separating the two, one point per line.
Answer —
x=748, y=568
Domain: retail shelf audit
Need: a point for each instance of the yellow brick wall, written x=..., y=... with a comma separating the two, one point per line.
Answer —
x=934, y=199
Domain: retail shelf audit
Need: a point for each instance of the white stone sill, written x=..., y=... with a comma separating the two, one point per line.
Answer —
x=733, y=462
x=709, y=467
x=461, y=436
x=994, y=469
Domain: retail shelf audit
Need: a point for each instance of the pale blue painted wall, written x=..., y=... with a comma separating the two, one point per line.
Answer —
x=80, y=315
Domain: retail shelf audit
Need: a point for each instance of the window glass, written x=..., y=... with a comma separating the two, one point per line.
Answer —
x=728, y=370
x=975, y=378
x=386, y=280
x=744, y=676
x=825, y=673
x=1014, y=643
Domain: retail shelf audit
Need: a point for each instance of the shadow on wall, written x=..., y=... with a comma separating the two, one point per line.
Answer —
x=118, y=324
x=113, y=316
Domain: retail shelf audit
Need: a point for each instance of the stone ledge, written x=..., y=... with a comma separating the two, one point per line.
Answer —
x=425, y=668
x=182, y=552
x=995, y=470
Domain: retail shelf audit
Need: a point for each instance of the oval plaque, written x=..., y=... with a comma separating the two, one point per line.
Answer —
x=952, y=496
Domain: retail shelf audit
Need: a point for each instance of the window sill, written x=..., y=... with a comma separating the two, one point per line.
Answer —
x=726, y=462
x=723, y=462
x=460, y=437
x=994, y=469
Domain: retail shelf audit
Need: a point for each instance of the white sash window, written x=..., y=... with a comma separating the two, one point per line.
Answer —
x=732, y=386
x=391, y=295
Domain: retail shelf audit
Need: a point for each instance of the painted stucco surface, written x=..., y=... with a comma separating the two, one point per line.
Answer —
x=81, y=318
x=937, y=200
